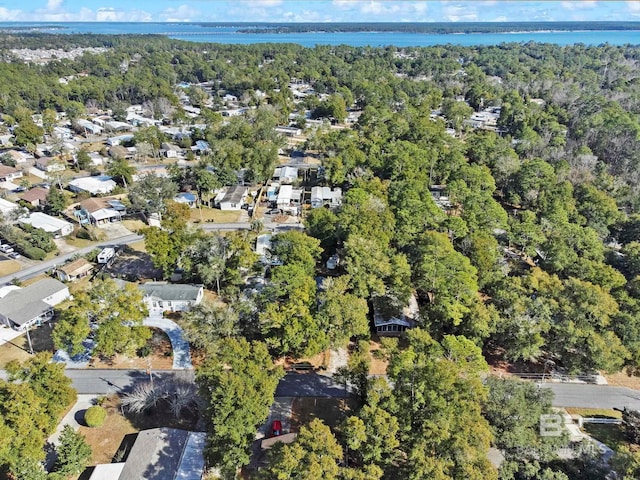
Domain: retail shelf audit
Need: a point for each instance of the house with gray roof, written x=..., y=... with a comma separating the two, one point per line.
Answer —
x=33, y=305
x=159, y=454
x=172, y=297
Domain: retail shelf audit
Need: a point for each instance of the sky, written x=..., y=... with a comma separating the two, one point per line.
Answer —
x=317, y=10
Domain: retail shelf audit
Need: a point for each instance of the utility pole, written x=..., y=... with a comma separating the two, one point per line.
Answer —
x=29, y=339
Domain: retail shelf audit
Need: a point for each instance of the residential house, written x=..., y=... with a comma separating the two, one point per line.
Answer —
x=201, y=147
x=171, y=151
x=289, y=199
x=115, y=126
x=21, y=158
x=325, y=197
x=172, y=297
x=22, y=308
x=159, y=454
x=288, y=131
x=49, y=165
x=120, y=139
x=391, y=318
x=232, y=198
x=285, y=175
x=86, y=127
x=56, y=226
x=118, y=151
x=7, y=208
x=96, y=211
x=8, y=174
x=75, y=270
x=100, y=185
x=36, y=197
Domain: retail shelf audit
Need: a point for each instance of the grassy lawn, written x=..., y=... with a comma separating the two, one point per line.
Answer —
x=138, y=246
x=134, y=225
x=218, y=216
x=611, y=435
x=332, y=411
x=78, y=242
x=7, y=267
x=594, y=412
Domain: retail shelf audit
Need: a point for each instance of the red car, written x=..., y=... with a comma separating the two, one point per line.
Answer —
x=276, y=428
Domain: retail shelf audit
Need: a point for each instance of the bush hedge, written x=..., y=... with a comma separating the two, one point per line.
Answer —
x=95, y=416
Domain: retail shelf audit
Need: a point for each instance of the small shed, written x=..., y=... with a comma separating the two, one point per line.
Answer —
x=75, y=270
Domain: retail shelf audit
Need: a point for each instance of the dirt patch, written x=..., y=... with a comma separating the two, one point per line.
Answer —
x=117, y=435
x=332, y=411
x=621, y=379
x=316, y=362
x=18, y=348
x=378, y=364
x=134, y=265
x=161, y=357
x=8, y=267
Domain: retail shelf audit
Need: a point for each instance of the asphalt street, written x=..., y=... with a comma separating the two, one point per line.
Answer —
x=593, y=396
x=41, y=267
x=103, y=381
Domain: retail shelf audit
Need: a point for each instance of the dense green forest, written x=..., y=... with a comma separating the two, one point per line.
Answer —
x=536, y=260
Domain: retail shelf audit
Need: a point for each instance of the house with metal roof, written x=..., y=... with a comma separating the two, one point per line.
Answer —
x=172, y=297
x=32, y=305
x=232, y=198
x=100, y=185
x=56, y=226
x=159, y=454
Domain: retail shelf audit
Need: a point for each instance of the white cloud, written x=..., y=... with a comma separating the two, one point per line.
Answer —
x=262, y=3
x=53, y=5
x=634, y=6
x=578, y=4
x=184, y=13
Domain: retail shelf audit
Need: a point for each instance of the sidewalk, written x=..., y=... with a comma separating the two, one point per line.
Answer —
x=73, y=418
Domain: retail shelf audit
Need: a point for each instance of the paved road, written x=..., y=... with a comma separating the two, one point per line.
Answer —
x=593, y=396
x=179, y=345
x=309, y=385
x=103, y=381
x=42, y=267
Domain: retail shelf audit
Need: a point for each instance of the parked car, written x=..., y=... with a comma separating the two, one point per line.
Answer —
x=14, y=255
x=6, y=249
x=276, y=428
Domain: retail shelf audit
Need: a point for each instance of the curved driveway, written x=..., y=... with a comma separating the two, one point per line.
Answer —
x=180, y=346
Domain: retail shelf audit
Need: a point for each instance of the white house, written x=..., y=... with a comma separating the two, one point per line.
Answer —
x=32, y=305
x=289, y=199
x=232, y=198
x=7, y=207
x=391, y=318
x=49, y=165
x=56, y=226
x=172, y=297
x=285, y=174
x=7, y=174
x=99, y=185
x=324, y=196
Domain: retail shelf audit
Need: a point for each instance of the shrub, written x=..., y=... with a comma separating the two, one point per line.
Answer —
x=95, y=416
x=34, y=253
